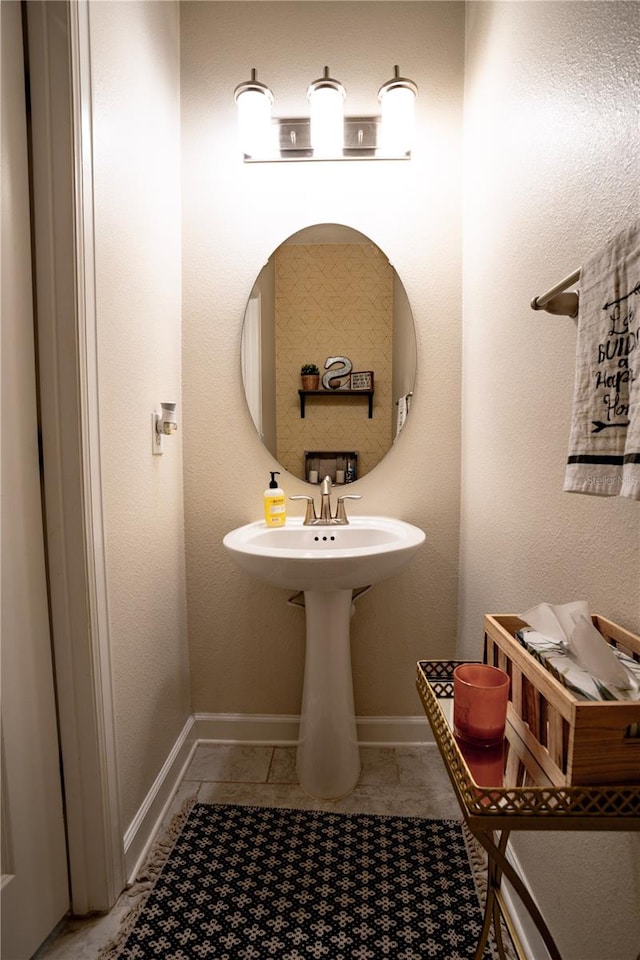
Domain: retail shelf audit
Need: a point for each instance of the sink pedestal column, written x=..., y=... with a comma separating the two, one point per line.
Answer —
x=328, y=760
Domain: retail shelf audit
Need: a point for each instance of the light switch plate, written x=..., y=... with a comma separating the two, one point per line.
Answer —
x=157, y=439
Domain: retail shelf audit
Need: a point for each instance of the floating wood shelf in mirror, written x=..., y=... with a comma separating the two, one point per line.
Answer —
x=327, y=291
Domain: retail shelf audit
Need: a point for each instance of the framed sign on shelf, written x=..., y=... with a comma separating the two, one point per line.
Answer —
x=362, y=380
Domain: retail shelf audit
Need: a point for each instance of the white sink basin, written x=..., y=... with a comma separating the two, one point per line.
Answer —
x=298, y=557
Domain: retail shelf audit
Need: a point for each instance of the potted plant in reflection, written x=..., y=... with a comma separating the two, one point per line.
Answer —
x=310, y=375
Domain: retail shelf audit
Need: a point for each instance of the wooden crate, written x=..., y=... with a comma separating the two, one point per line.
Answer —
x=575, y=741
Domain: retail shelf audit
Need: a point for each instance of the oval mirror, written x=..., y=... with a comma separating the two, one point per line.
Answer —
x=328, y=297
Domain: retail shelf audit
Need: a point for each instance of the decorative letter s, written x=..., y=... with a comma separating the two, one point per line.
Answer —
x=337, y=374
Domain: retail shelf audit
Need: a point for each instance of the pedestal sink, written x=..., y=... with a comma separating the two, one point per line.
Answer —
x=327, y=563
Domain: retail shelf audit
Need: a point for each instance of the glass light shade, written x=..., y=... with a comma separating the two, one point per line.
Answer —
x=397, y=127
x=255, y=130
x=326, y=98
x=398, y=121
x=254, y=123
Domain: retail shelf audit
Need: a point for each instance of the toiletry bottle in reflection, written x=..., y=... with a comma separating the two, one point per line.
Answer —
x=350, y=472
x=275, y=513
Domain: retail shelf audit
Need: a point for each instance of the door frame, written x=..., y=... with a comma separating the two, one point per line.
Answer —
x=64, y=261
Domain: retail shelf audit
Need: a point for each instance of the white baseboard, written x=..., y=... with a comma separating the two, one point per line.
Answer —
x=283, y=730
x=389, y=731
x=530, y=940
x=247, y=729
x=146, y=823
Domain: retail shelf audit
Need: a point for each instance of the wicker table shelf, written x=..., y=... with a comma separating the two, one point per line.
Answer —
x=506, y=788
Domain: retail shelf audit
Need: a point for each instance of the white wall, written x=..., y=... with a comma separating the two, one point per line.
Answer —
x=552, y=163
x=136, y=88
x=246, y=644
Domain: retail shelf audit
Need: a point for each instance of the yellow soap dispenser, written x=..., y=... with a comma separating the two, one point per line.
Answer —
x=275, y=511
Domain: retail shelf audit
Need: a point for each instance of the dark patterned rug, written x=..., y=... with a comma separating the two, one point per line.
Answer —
x=253, y=883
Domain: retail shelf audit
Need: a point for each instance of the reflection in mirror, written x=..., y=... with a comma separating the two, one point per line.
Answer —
x=326, y=294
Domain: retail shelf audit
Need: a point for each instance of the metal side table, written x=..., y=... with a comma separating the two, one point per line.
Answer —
x=504, y=788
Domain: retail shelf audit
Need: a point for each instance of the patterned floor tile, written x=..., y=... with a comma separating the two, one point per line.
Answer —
x=378, y=765
x=230, y=763
x=283, y=766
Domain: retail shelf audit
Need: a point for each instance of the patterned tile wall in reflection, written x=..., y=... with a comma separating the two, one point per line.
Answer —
x=333, y=299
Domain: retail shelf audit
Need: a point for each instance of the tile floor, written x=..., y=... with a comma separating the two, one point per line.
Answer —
x=404, y=781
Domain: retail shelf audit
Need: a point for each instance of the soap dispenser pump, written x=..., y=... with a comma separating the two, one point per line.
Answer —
x=274, y=503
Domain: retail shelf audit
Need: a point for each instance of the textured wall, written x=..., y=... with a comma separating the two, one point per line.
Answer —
x=246, y=644
x=333, y=300
x=135, y=59
x=552, y=163
x=550, y=172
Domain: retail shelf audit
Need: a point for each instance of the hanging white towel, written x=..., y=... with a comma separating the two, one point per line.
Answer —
x=604, y=447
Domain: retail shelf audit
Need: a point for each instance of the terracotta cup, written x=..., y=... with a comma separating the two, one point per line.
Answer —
x=480, y=696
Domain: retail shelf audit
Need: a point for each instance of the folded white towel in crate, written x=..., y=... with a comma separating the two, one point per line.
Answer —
x=604, y=446
x=557, y=658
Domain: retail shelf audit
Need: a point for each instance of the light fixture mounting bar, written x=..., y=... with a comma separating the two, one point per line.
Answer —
x=293, y=137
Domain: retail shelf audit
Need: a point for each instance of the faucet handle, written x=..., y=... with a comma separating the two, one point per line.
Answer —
x=341, y=513
x=310, y=511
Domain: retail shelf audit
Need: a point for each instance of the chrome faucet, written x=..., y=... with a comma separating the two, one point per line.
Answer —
x=325, y=501
x=326, y=519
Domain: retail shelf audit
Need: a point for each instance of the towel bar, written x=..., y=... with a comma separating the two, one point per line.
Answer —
x=566, y=305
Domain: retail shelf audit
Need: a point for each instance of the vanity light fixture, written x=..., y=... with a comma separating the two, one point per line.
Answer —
x=327, y=134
